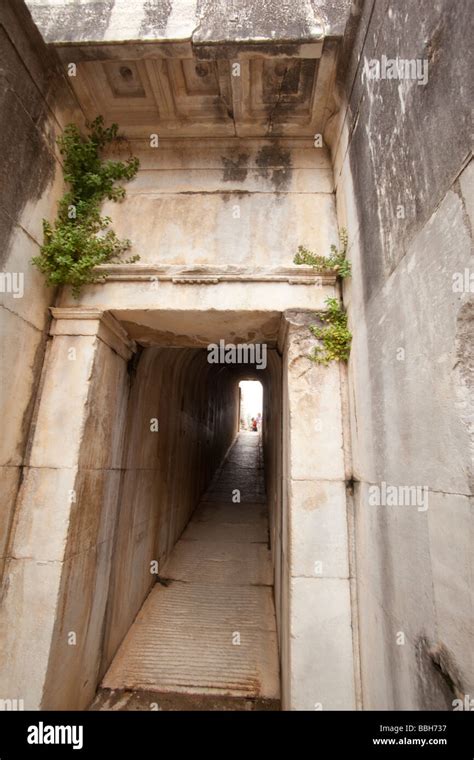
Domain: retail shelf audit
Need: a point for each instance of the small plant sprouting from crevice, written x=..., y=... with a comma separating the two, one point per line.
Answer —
x=336, y=261
x=80, y=238
x=334, y=335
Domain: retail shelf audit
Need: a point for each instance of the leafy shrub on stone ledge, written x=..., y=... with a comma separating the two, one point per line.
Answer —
x=336, y=262
x=80, y=239
x=334, y=335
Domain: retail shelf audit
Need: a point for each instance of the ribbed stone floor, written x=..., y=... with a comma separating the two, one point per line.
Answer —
x=211, y=632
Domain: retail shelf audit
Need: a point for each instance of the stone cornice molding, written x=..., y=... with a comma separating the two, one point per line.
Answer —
x=90, y=321
x=214, y=275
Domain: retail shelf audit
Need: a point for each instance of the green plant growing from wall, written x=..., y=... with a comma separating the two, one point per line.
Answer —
x=336, y=262
x=79, y=239
x=334, y=335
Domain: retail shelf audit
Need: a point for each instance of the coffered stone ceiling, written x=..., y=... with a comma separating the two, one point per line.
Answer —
x=243, y=73
x=190, y=97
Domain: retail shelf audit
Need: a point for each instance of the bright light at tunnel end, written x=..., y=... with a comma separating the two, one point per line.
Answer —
x=251, y=404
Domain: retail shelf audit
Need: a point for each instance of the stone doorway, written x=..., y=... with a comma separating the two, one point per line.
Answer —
x=124, y=449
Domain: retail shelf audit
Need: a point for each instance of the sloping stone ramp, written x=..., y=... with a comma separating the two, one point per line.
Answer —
x=208, y=640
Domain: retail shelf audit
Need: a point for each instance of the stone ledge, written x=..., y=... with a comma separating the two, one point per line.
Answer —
x=213, y=276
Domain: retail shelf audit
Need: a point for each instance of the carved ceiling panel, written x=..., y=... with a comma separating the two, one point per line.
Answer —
x=261, y=96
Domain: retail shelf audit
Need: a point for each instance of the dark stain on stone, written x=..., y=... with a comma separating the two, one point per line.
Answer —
x=288, y=83
x=28, y=422
x=236, y=194
x=443, y=663
x=439, y=680
x=356, y=25
x=164, y=581
x=202, y=70
x=157, y=13
x=132, y=364
x=126, y=73
x=6, y=231
x=27, y=166
x=235, y=168
x=434, y=46
x=275, y=164
x=227, y=51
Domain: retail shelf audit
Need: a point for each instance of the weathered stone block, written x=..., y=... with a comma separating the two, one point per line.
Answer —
x=318, y=529
x=321, y=634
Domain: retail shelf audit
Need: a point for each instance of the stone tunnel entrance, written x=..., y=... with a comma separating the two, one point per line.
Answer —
x=193, y=545
x=152, y=552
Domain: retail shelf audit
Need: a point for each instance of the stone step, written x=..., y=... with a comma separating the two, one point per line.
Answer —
x=140, y=700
